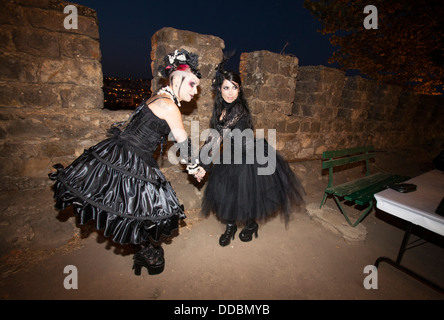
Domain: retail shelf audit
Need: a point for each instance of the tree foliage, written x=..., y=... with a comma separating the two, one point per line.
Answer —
x=407, y=49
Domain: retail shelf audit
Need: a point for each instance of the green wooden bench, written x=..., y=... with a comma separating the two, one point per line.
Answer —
x=361, y=191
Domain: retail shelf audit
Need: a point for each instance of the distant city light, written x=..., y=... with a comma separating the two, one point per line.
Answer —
x=125, y=93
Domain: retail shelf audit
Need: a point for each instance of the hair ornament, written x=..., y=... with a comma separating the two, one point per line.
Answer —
x=177, y=56
x=180, y=60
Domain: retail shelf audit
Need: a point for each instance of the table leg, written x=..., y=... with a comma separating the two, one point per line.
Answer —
x=398, y=266
x=405, y=241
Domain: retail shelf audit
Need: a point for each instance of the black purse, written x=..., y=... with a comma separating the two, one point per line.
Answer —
x=403, y=187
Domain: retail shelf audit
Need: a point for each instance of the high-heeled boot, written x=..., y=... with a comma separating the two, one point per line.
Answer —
x=229, y=234
x=247, y=233
x=150, y=257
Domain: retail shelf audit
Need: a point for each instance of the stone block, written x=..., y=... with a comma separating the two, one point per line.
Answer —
x=53, y=20
x=78, y=71
x=27, y=129
x=36, y=42
x=307, y=110
x=305, y=126
x=18, y=67
x=2, y=132
x=258, y=107
x=268, y=64
x=56, y=5
x=9, y=168
x=344, y=113
x=10, y=96
x=78, y=97
x=315, y=127
x=247, y=65
x=293, y=125
x=51, y=149
x=332, y=75
x=9, y=12
x=35, y=167
x=285, y=94
x=77, y=46
x=281, y=125
x=45, y=19
x=40, y=96
x=307, y=86
x=288, y=69
x=305, y=153
x=266, y=93
x=15, y=149
x=317, y=98
x=6, y=44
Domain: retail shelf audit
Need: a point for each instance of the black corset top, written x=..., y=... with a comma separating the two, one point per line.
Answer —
x=145, y=130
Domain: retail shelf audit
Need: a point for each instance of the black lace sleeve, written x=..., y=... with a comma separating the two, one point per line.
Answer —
x=211, y=148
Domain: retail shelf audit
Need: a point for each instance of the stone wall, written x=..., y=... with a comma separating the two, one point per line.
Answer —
x=51, y=109
x=332, y=111
x=50, y=88
x=51, y=101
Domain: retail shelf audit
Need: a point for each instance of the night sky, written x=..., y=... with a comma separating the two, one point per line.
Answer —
x=126, y=28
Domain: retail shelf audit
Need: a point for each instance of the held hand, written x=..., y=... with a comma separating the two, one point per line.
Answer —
x=197, y=171
x=200, y=174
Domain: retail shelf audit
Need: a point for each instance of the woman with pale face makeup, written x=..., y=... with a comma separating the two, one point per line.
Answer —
x=236, y=192
x=118, y=182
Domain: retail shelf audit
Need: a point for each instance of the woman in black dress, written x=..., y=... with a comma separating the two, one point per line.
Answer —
x=237, y=191
x=118, y=183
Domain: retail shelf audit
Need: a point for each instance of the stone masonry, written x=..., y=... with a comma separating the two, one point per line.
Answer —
x=50, y=88
x=336, y=111
x=51, y=107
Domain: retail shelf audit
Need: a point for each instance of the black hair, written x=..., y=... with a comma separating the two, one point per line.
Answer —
x=219, y=102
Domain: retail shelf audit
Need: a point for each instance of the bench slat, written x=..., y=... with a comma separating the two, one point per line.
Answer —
x=356, y=185
x=372, y=187
x=364, y=199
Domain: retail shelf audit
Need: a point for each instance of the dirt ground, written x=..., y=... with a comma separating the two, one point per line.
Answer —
x=303, y=261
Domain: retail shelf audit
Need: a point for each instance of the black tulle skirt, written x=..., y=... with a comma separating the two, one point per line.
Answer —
x=237, y=192
x=123, y=192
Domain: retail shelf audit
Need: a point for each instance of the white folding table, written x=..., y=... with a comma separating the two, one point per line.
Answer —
x=416, y=208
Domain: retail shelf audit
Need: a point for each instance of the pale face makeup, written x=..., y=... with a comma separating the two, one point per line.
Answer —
x=185, y=85
x=229, y=91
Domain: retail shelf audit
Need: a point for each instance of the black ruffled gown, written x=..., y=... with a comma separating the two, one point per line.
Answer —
x=237, y=192
x=118, y=183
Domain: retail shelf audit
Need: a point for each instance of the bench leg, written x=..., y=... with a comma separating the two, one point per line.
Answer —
x=364, y=214
x=323, y=200
x=344, y=213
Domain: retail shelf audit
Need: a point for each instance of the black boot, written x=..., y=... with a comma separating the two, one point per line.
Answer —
x=247, y=233
x=229, y=234
x=150, y=257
